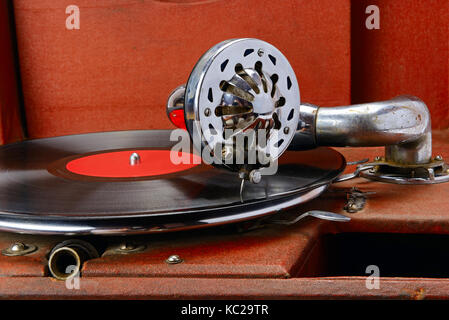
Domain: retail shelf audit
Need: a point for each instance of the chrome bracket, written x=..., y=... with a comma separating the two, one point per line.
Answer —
x=435, y=171
x=319, y=214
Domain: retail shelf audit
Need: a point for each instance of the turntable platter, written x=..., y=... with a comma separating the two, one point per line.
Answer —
x=51, y=186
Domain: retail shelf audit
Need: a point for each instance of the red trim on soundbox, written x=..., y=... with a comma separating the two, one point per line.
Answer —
x=177, y=118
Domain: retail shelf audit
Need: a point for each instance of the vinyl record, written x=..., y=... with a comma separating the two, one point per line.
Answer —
x=84, y=184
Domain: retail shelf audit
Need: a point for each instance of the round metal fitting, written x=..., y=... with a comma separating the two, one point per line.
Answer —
x=19, y=249
x=173, y=259
x=129, y=248
x=134, y=159
x=428, y=173
x=248, y=93
x=255, y=176
x=66, y=258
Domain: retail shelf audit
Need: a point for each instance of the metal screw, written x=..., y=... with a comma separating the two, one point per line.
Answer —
x=438, y=158
x=127, y=246
x=134, y=159
x=377, y=158
x=207, y=112
x=18, y=249
x=286, y=130
x=173, y=259
x=255, y=176
x=260, y=52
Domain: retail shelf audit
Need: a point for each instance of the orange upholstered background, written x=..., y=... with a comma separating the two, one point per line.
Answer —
x=118, y=69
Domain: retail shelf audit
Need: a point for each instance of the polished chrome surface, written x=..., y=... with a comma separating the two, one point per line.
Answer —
x=173, y=259
x=134, y=159
x=305, y=136
x=247, y=84
x=399, y=179
x=323, y=215
x=176, y=100
x=401, y=124
x=326, y=215
x=229, y=87
x=433, y=172
x=355, y=174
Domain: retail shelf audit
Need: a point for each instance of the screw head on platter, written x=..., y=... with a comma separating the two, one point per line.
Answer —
x=134, y=159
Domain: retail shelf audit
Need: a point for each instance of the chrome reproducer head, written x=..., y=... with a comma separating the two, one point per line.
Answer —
x=241, y=107
x=241, y=103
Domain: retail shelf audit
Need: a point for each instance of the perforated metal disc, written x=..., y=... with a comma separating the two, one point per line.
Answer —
x=37, y=194
x=238, y=85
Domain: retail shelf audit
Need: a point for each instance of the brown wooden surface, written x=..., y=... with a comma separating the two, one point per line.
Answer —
x=10, y=125
x=263, y=263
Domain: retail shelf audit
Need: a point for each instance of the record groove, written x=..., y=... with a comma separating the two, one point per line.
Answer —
x=37, y=196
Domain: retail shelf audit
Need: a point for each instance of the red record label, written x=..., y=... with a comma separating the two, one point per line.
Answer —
x=117, y=164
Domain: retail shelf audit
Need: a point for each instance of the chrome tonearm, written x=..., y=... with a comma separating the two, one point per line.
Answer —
x=244, y=84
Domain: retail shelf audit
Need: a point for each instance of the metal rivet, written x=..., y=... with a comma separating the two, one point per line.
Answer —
x=127, y=246
x=377, y=158
x=438, y=158
x=19, y=249
x=286, y=130
x=134, y=159
x=173, y=259
x=260, y=52
x=207, y=112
